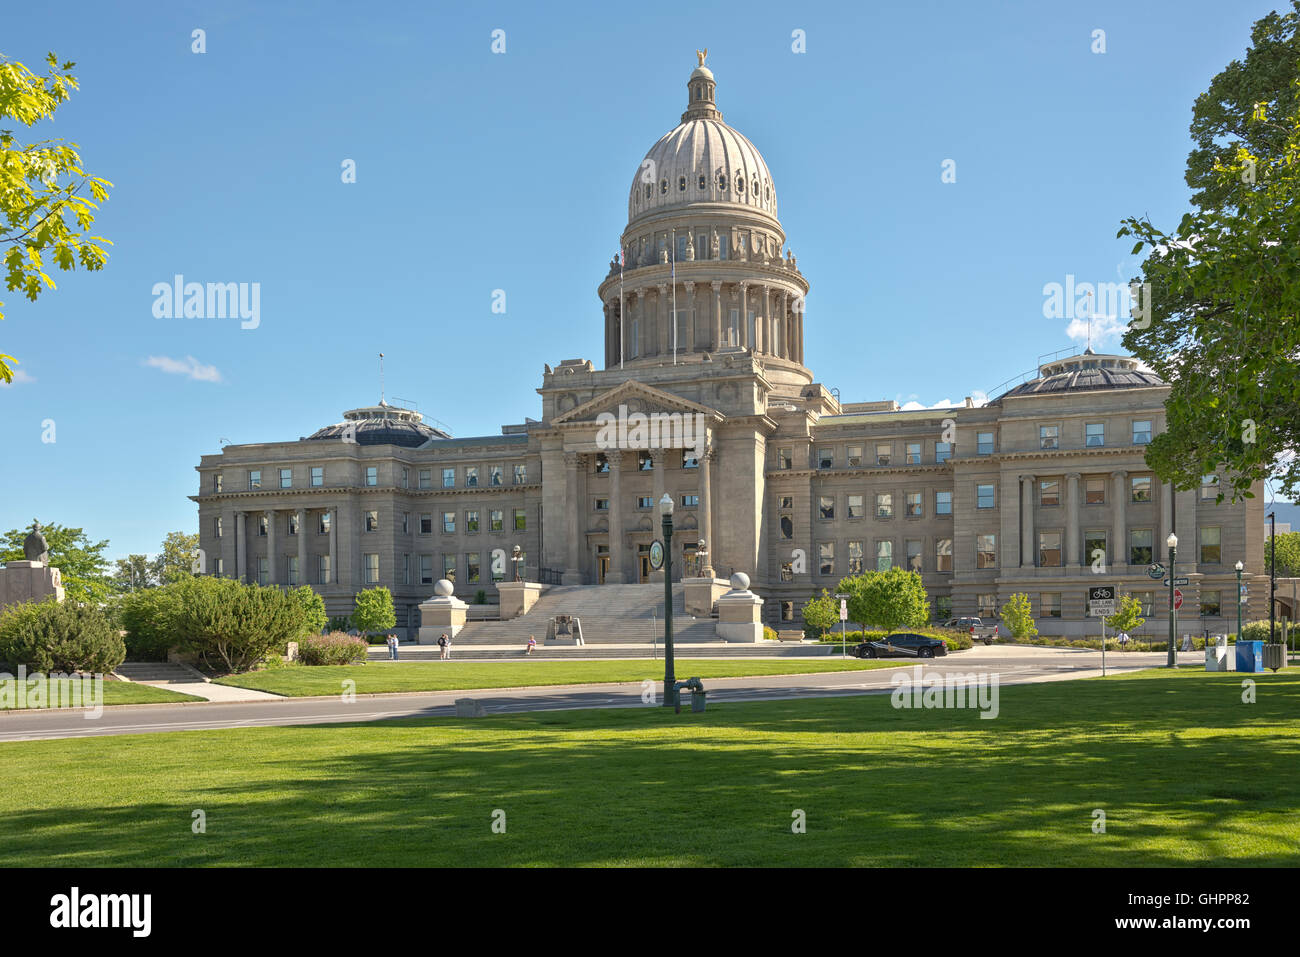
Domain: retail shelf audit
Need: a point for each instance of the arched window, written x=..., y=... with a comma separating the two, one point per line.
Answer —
x=756, y=187
x=740, y=183
x=647, y=190
x=722, y=182
x=704, y=181
x=663, y=186
x=681, y=184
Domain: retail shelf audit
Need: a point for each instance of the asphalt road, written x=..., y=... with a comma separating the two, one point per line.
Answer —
x=1013, y=665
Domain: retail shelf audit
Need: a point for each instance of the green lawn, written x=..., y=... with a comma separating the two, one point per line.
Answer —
x=1185, y=772
x=397, y=676
x=121, y=692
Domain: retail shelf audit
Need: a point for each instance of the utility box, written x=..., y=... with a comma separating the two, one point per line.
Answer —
x=1216, y=657
x=1250, y=656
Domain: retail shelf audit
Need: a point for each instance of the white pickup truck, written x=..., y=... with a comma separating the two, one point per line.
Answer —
x=976, y=628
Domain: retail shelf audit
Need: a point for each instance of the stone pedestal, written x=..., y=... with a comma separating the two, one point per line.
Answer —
x=701, y=593
x=444, y=613
x=517, y=598
x=740, y=612
x=29, y=581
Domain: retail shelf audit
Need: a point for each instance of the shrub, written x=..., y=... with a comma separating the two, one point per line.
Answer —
x=1016, y=613
x=336, y=648
x=374, y=610
x=819, y=613
x=769, y=634
x=1258, y=631
x=149, y=618
x=232, y=625
x=60, y=636
x=313, y=609
x=339, y=623
x=480, y=597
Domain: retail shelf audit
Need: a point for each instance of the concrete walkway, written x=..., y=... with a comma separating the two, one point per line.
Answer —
x=213, y=692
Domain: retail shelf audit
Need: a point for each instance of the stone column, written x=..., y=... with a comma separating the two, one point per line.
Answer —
x=1027, y=557
x=302, y=546
x=572, y=462
x=690, y=311
x=1119, y=550
x=241, y=546
x=742, y=334
x=665, y=339
x=609, y=335
x=272, y=556
x=1072, y=544
x=334, y=546
x=764, y=323
x=715, y=342
x=796, y=343
x=785, y=325
x=658, y=462
x=706, y=510
x=616, y=574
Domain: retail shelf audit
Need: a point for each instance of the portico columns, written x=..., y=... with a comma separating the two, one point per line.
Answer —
x=334, y=546
x=1072, y=519
x=302, y=547
x=271, y=555
x=572, y=574
x=743, y=333
x=1119, y=557
x=1027, y=521
x=784, y=342
x=690, y=311
x=716, y=339
x=241, y=546
x=706, y=510
x=616, y=574
x=665, y=342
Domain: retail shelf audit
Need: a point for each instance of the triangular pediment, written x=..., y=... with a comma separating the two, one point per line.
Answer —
x=634, y=397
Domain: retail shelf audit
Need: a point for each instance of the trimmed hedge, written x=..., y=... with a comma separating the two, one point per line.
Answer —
x=336, y=648
x=59, y=636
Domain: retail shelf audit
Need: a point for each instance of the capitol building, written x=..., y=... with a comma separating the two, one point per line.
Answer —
x=1043, y=489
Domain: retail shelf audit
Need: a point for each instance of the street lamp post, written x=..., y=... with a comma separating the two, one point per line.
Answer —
x=1272, y=580
x=666, y=510
x=1239, y=567
x=1171, y=660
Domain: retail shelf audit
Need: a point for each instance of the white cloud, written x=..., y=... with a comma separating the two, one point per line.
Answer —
x=189, y=366
x=1104, y=329
x=20, y=378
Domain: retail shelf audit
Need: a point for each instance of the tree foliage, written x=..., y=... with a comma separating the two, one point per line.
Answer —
x=80, y=561
x=821, y=612
x=313, y=609
x=59, y=636
x=47, y=201
x=1288, y=554
x=231, y=625
x=1017, y=614
x=1128, y=617
x=176, y=560
x=890, y=599
x=1220, y=321
x=374, y=610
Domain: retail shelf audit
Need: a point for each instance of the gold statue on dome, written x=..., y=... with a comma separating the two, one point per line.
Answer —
x=702, y=55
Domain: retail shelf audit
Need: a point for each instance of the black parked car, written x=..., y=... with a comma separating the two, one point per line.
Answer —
x=902, y=645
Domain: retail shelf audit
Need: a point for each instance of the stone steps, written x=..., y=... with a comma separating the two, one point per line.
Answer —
x=157, y=672
x=630, y=651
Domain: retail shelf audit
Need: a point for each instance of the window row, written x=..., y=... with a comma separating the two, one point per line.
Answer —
x=644, y=463
x=492, y=475
x=496, y=522
x=1094, y=434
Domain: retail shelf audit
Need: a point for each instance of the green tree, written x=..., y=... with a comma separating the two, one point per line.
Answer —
x=232, y=625
x=59, y=636
x=313, y=609
x=821, y=612
x=1288, y=555
x=1220, y=321
x=176, y=560
x=1128, y=617
x=81, y=562
x=44, y=209
x=1017, y=616
x=891, y=599
x=374, y=610
x=133, y=573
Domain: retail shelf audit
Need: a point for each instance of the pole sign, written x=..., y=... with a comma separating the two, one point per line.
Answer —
x=1101, y=601
x=1177, y=582
x=1155, y=570
x=844, y=610
x=1178, y=599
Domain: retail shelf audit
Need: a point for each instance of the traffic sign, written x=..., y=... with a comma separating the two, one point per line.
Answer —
x=1178, y=599
x=844, y=610
x=1101, y=609
x=1177, y=581
x=1155, y=570
x=1101, y=593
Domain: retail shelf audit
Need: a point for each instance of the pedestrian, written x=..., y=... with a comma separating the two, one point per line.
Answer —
x=1123, y=639
x=995, y=632
x=532, y=643
x=445, y=645
x=392, y=647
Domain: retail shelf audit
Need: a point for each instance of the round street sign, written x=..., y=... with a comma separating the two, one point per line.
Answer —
x=1155, y=570
x=656, y=554
x=1178, y=599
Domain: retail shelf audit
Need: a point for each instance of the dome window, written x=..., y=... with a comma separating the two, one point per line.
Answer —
x=722, y=182
x=663, y=186
x=756, y=188
x=740, y=184
x=704, y=181
x=767, y=194
x=647, y=190
x=681, y=184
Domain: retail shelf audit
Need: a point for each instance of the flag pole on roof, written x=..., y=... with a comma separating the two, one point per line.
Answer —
x=621, y=323
x=674, y=296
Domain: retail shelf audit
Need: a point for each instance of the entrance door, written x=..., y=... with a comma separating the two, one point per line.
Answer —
x=643, y=563
x=602, y=563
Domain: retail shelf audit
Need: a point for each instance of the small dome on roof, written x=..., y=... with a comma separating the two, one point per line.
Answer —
x=381, y=424
x=1085, y=372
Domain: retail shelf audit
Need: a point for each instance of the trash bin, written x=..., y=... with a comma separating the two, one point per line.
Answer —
x=697, y=700
x=1274, y=656
x=1250, y=656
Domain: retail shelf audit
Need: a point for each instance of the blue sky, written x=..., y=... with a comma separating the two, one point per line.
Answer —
x=478, y=171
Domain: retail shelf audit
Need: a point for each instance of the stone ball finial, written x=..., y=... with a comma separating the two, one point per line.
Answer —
x=740, y=581
x=443, y=588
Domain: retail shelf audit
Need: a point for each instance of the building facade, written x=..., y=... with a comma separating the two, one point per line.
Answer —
x=1042, y=490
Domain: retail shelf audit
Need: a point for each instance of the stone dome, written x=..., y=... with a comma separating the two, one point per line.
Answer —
x=381, y=424
x=701, y=160
x=1087, y=372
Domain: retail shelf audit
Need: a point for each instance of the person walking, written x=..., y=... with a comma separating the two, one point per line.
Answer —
x=445, y=645
x=392, y=647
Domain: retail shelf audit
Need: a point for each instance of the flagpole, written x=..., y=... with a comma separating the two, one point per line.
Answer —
x=674, y=296
x=622, y=337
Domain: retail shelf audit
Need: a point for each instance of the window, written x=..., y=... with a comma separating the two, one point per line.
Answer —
x=1147, y=600
x=787, y=571
x=254, y=479
x=602, y=463
x=1210, y=604
x=855, y=506
x=1094, y=546
x=1142, y=432
x=884, y=556
x=943, y=554
x=984, y=496
x=324, y=526
x=987, y=605
x=261, y=572
x=521, y=473
x=449, y=478
x=826, y=507
x=406, y=568
x=787, y=607
x=913, y=546
x=449, y=568
x=406, y=525
x=293, y=523
x=1049, y=605
x=426, y=523
x=1049, y=549
x=602, y=505
x=496, y=520
x=426, y=478
x=495, y=475
x=471, y=520
x=882, y=453
x=690, y=501
x=942, y=607
x=1141, y=488
x=322, y=569
x=449, y=522
x=724, y=241
x=912, y=453
x=855, y=558
x=1209, y=487
x=787, y=501
x=216, y=526
x=884, y=505
x=372, y=521
x=1049, y=436
x=426, y=569
x=317, y=476
x=521, y=520
x=291, y=578
x=986, y=551
x=1049, y=493
x=219, y=568
x=1094, y=491
x=471, y=476
x=372, y=476
x=261, y=525
x=1094, y=434
x=787, y=527
x=1139, y=546
x=825, y=458
x=853, y=457
x=826, y=558
x=216, y=482
x=1211, y=538
x=689, y=460
x=471, y=567
x=645, y=501
x=984, y=443
x=784, y=460
x=912, y=504
x=406, y=483
x=286, y=478
x=942, y=452
x=943, y=503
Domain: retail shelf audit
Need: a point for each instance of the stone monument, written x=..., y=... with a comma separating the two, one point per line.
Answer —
x=444, y=613
x=739, y=612
x=33, y=578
